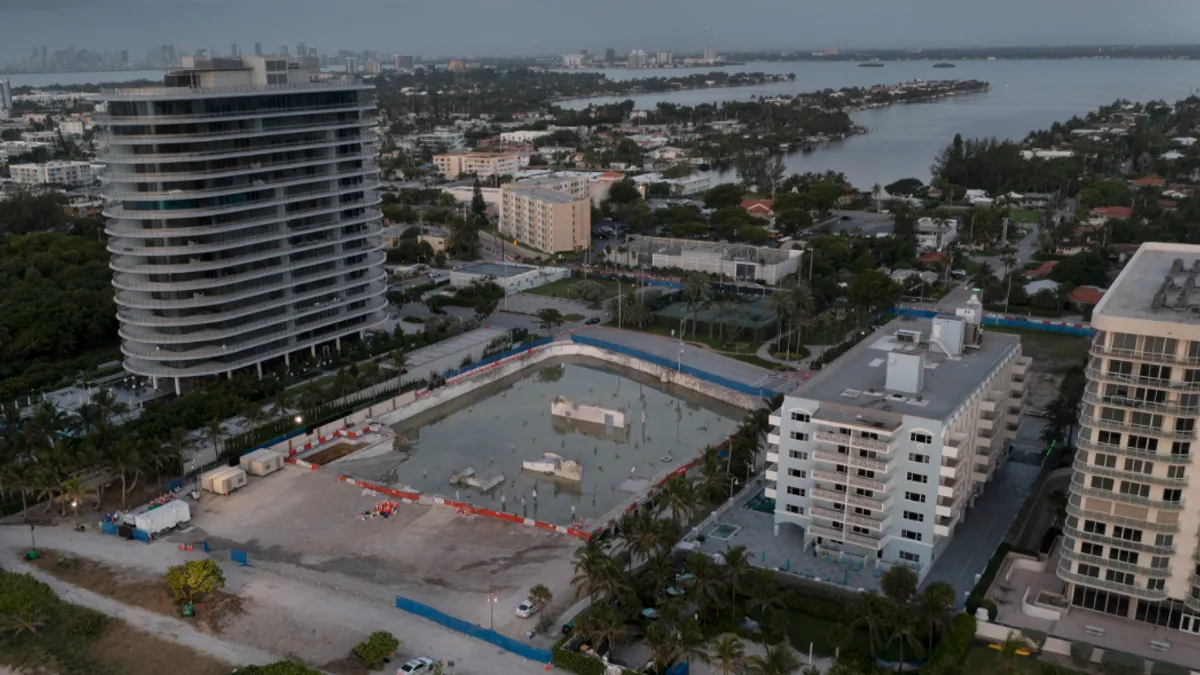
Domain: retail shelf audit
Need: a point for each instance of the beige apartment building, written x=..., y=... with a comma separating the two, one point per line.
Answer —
x=1130, y=544
x=482, y=164
x=551, y=221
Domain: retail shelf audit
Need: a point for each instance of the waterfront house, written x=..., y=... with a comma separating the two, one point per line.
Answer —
x=1102, y=214
x=1148, y=181
x=761, y=208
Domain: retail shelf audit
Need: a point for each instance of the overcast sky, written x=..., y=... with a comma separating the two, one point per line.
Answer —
x=484, y=27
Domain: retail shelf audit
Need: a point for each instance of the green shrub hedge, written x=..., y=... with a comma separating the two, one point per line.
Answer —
x=1122, y=663
x=574, y=661
x=1164, y=668
x=1081, y=653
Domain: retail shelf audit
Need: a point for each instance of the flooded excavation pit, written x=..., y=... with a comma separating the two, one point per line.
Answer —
x=565, y=440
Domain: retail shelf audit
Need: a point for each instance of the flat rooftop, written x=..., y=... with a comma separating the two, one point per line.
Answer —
x=545, y=195
x=491, y=269
x=851, y=378
x=693, y=248
x=1133, y=294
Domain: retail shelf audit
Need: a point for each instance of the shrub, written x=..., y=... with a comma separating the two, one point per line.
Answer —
x=279, y=668
x=377, y=648
x=1081, y=653
x=1037, y=637
x=576, y=662
x=950, y=653
x=1164, y=668
x=189, y=581
x=1122, y=663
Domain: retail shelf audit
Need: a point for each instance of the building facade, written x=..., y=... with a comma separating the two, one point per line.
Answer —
x=72, y=174
x=550, y=221
x=1131, y=545
x=482, y=164
x=243, y=217
x=880, y=454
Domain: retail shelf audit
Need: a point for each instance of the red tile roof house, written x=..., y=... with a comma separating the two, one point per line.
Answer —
x=1085, y=295
x=1153, y=181
x=1102, y=214
x=1041, y=271
x=759, y=207
x=933, y=257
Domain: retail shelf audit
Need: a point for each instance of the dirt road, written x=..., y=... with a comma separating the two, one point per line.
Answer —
x=288, y=613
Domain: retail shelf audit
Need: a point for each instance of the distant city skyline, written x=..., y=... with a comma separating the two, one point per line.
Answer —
x=537, y=27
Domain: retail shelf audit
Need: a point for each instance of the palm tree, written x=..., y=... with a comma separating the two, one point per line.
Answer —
x=1009, y=649
x=903, y=628
x=764, y=594
x=737, y=560
x=282, y=405
x=21, y=479
x=840, y=636
x=678, y=496
x=801, y=308
x=657, y=573
x=591, y=559
x=695, y=295
x=779, y=304
x=1056, y=503
x=540, y=595
x=691, y=641
x=639, y=529
x=715, y=481
x=664, y=646
x=399, y=362
x=254, y=415
x=707, y=585
x=71, y=492
x=984, y=276
x=28, y=620
x=933, y=608
x=778, y=660
x=876, y=190
x=126, y=458
x=728, y=654
x=869, y=612
x=899, y=584
x=604, y=624
x=214, y=433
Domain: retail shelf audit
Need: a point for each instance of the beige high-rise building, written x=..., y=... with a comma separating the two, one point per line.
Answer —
x=1130, y=544
x=545, y=219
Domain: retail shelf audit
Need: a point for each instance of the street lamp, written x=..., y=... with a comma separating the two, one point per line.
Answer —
x=75, y=507
x=492, y=600
x=298, y=419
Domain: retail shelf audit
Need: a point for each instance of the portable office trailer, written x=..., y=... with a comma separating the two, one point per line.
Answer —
x=261, y=462
x=160, y=519
x=224, y=480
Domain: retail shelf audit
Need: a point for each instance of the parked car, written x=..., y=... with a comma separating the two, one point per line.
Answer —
x=593, y=321
x=527, y=608
x=417, y=666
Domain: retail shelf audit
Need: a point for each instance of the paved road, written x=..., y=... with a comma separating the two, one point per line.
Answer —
x=697, y=357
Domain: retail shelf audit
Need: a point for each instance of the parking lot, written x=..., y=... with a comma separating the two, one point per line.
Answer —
x=302, y=523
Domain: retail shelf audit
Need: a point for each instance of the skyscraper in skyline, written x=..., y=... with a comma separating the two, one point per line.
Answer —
x=223, y=257
x=233, y=50
x=258, y=49
x=610, y=55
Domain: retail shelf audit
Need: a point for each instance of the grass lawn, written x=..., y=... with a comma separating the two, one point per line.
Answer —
x=1025, y=216
x=736, y=348
x=804, y=630
x=1047, y=347
x=572, y=318
x=565, y=288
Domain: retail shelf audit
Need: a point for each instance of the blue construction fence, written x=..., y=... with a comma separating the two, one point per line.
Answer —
x=540, y=342
x=643, y=281
x=504, y=642
x=672, y=365
x=1080, y=329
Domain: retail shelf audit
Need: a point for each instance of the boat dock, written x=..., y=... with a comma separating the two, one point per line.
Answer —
x=467, y=478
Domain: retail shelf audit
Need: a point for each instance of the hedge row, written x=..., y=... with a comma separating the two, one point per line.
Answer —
x=950, y=653
x=575, y=661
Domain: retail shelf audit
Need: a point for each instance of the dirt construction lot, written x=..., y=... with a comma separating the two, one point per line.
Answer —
x=307, y=523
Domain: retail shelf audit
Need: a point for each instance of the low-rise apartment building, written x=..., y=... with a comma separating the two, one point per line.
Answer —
x=545, y=219
x=1131, y=544
x=881, y=453
x=482, y=164
x=935, y=234
x=52, y=173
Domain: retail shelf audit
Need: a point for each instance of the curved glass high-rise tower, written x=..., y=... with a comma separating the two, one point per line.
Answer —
x=243, y=220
